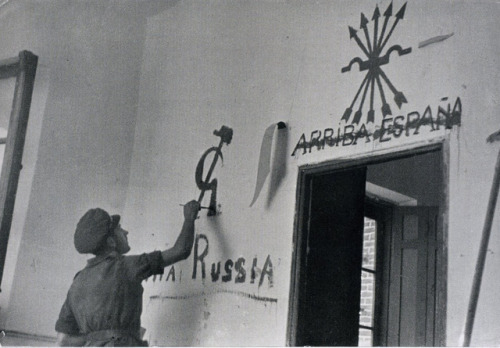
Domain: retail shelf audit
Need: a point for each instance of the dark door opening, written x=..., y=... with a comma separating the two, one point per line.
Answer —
x=369, y=254
x=330, y=291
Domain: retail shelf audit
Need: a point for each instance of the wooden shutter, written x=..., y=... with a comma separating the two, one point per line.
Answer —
x=411, y=312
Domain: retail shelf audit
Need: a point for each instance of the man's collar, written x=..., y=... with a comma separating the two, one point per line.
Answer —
x=98, y=259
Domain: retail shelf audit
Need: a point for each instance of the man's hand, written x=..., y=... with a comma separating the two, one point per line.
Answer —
x=184, y=243
x=191, y=210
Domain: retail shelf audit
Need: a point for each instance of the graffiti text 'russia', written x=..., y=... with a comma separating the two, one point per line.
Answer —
x=232, y=271
x=239, y=267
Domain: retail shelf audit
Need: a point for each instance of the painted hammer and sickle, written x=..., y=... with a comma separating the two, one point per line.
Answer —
x=226, y=135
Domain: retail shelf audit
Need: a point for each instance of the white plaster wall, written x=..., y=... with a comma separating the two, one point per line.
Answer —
x=127, y=106
x=194, y=80
x=249, y=64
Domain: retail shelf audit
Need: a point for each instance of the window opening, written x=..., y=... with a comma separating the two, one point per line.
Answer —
x=368, y=281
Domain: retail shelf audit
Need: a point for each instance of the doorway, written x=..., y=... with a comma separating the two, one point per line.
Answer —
x=369, y=258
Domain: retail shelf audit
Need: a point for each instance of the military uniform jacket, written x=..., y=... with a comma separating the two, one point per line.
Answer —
x=104, y=303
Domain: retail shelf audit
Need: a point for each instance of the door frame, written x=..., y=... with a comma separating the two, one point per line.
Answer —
x=306, y=172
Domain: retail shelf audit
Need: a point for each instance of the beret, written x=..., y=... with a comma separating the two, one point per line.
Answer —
x=94, y=226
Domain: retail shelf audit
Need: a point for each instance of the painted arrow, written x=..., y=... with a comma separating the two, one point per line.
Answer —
x=372, y=46
x=358, y=114
x=375, y=17
x=387, y=15
x=399, y=97
x=386, y=109
x=399, y=16
x=364, y=22
x=353, y=33
x=348, y=111
x=371, y=112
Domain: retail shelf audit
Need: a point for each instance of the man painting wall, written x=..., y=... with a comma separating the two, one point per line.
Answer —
x=104, y=304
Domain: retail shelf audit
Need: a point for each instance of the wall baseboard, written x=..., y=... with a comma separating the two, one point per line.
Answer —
x=17, y=338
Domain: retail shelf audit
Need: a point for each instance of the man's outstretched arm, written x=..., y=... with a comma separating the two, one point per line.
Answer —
x=184, y=243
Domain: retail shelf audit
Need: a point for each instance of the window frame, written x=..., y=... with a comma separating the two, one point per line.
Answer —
x=23, y=68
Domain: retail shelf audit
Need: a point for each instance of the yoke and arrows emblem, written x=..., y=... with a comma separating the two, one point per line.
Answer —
x=226, y=135
x=375, y=77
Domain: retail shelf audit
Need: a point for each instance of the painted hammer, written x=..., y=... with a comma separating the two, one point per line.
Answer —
x=483, y=247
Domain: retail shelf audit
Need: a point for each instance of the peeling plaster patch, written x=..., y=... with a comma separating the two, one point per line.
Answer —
x=218, y=291
x=434, y=40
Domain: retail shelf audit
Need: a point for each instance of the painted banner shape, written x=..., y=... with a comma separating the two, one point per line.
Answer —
x=264, y=167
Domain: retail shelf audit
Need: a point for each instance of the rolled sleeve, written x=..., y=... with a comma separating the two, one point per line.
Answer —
x=145, y=265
